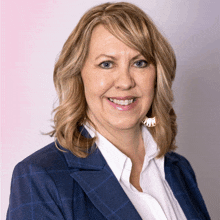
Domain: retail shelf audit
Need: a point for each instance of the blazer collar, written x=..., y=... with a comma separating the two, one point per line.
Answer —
x=94, y=161
x=100, y=184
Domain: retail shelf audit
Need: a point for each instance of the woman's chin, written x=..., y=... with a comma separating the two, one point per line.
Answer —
x=124, y=125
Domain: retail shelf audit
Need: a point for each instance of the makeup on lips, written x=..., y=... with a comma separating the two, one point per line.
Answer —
x=123, y=103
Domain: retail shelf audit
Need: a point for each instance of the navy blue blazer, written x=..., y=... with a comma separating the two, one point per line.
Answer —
x=51, y=184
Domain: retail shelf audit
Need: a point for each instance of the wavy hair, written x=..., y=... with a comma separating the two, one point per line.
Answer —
x=133, y=27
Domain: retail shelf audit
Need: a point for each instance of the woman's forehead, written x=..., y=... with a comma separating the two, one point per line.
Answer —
x=103, y=42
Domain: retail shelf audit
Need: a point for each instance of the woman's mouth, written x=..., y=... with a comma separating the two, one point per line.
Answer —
x=122, y=102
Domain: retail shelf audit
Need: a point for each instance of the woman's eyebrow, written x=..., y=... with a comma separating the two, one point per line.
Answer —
x=105, y=55
x=114, y=58
x=137, y=56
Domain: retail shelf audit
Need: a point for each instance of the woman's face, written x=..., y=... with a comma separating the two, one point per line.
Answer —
x=118, y=81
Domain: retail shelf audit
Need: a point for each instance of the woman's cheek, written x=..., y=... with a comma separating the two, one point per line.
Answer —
x=103, y=84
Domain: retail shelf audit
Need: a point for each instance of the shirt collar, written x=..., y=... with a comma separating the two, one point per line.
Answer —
x=114, y=157
x=151, y=149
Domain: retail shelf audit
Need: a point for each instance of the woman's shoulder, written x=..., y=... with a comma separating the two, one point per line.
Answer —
x=39, y=183
x=173, y=157
x=47, y=158
x=175, y=161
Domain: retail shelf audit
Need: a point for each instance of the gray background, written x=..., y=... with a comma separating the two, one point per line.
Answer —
x=191, y=26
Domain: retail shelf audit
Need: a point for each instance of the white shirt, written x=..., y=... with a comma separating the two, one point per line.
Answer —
x=157, y=201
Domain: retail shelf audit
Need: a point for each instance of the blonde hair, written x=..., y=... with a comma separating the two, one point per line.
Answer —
x=132, y=26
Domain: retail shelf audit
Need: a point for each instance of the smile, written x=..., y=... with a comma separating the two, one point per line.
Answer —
x=122, y=102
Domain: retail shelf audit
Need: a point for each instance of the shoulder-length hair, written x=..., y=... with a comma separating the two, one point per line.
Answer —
x=133, y=27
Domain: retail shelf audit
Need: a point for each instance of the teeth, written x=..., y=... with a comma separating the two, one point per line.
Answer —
x=122, y=102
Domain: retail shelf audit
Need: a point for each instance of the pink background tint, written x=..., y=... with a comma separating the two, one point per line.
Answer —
x=32, y=35
x=27, y=96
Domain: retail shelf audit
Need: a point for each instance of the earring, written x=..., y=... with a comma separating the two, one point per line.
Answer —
x=149, y=122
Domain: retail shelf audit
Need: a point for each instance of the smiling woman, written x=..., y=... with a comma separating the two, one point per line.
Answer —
x=132, y=27
x=113, y=77
x=119, y=84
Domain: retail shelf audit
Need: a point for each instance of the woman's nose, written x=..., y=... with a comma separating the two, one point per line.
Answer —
x=124, y=79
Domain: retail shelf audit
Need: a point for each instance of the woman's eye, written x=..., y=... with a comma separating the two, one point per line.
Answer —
x=141, y=63
x=106, y=64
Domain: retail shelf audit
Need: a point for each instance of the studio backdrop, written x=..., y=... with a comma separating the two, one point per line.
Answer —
x=32, y=35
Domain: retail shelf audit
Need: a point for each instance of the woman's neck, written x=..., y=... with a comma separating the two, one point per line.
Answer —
x=128, y=141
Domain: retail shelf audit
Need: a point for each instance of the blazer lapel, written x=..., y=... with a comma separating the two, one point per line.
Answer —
x=101, y=186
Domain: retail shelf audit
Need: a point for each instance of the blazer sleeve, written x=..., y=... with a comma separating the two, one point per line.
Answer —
x=34, y=194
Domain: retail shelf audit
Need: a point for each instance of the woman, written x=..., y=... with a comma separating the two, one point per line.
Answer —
x=115, y=128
